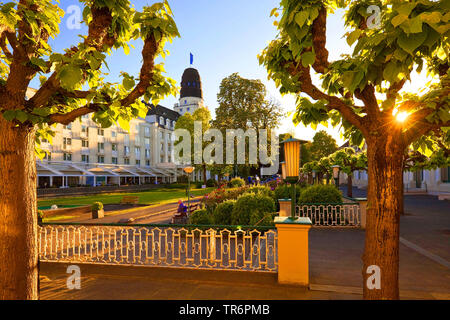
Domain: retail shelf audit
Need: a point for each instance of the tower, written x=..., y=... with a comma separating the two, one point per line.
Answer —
x=191, y=96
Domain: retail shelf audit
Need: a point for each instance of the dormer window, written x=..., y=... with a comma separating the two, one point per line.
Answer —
x=161, y=120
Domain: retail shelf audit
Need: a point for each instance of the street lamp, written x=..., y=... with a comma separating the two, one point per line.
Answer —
x=283, y=170
x=188, y=171
x=292, y=164
x=336, y=169
x=314, y=175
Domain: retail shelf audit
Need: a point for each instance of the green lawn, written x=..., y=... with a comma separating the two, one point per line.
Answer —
x=149, y=197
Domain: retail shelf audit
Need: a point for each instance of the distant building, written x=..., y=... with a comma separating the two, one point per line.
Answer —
x=431, y=181
x=191, y=96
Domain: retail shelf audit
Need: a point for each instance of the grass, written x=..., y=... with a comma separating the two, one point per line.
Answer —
x=157, y=196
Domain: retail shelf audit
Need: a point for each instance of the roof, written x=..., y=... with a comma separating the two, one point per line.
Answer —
x=191, y=84
x=162, y=111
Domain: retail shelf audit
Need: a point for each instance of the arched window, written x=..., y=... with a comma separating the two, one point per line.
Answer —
x=161, y=120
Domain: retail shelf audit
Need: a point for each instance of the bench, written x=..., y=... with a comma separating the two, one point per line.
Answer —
x=129, y=200
x=182, y=218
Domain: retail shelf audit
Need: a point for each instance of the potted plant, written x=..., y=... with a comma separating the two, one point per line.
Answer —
x=40, y=216
x=97, y=210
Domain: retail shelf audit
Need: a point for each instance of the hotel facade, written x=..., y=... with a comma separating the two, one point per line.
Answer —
x=84, y=154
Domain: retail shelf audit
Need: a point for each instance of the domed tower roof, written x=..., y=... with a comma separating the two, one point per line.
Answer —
x=191, y=85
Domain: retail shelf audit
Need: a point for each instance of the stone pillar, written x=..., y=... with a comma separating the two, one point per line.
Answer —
x=363, y=210
x=293, y=256
x=285, y=207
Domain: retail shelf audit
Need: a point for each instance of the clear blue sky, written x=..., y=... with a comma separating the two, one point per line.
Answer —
x=224, y=36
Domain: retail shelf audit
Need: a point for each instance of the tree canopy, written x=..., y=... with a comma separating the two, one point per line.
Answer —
x=74, y=83
x=322, y=145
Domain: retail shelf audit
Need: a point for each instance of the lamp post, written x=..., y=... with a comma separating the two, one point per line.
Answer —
x=314, y=176
x=283, y=170
x=336, y=169
x=188, y=171
x=292, y=164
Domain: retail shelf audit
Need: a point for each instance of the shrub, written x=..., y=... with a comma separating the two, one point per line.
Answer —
x=320, y=194
x=212, y=199
x=211, y=183
x=200, y=216
x=97, y=206
x=222, y=213
x=198, y=184
x=266, y=191
x=251, y=208
x=237, y=182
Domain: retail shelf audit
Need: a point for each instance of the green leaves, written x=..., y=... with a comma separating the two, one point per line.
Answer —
x=70, y=76
x=411, y=42
x=300, y=18
x=308, y=58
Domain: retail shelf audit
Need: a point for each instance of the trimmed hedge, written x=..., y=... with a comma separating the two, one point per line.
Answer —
x=263, y=190
x=200, y=216
x=251, y=209
x=320, y=194
x=222, y=213
x=237, y=182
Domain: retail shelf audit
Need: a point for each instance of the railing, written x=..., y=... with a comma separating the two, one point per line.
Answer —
x=213, y=247
x=331, y=214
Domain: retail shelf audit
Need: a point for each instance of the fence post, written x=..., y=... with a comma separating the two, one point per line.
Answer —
x=293, y=256
x=363, y=210
x=285, y=207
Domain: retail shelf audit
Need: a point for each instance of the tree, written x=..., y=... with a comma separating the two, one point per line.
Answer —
x=186, y=121
x=322, y=145
x=349, y=161
x=363, y=92
x=243, y=105
x=72, y=85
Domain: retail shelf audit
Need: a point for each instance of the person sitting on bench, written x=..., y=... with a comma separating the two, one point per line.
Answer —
x=182, y=209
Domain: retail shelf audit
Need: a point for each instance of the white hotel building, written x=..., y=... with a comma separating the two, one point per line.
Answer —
x=83, y=153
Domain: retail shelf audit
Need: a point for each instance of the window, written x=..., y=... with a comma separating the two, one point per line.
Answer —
x=126, y=139
x=85, y=143
x=147, y=163
x=137, y=152
x=162, y=147
x=161, y=120
x=126, y=161
x=84, y=129
x=84, y=158
x=114, y=147
x=67, y=141
x=126, y=150
x=137, y=128
x=170, y=159
x=162, y=159
x=101, y=159
x=189, y=84
x=101, y=147
x=113, y=134
x=137, y=140
x=181, y=109
x=48, y=156
x=168, y=122
x=67, y=156
x=188, y=109
x=147, y=142
x=161, y=136
x=100, y=132
x=173, y=123
x=114, y=160
x=147, y=131
x=138, y=162
x=147, y=153
x=68, y=127
x=185, y=101
x=85, y=116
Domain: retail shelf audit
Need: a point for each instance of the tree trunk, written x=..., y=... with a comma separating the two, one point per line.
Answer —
x=18, y=213
x=204, y=174
x=349, y=186
x=401, y=196
x=385, y=163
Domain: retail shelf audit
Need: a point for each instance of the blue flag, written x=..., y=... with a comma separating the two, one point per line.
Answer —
x=192, y=58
